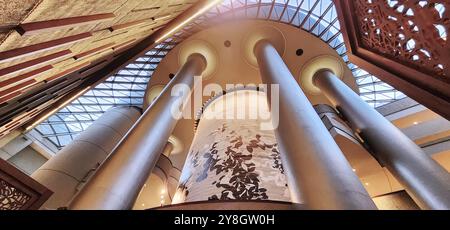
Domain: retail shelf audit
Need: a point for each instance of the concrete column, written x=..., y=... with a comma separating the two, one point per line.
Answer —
x=231, y=157
x=424, y=179
x=67, y=171
x=316, y=169
x=167, y=149
x=118, y=181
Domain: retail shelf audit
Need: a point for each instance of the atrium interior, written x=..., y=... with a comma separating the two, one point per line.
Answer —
x=224, y=104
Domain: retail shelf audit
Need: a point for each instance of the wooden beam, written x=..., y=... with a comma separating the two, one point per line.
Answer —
x=128, y=24
x=93, y=51
x=94, y=66
x=121, y=61
x=423, y=88
x=67, y=71
x=17, y=87
x=123, y=44
x=25, y=76
x=56, y=24
x=32, y=63
x=41, y=47
x=9, y=96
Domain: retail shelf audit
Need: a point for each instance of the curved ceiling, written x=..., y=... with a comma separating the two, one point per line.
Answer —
x=127, y=86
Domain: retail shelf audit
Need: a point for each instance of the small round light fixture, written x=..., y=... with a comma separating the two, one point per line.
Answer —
x=177, y=144
x=227, y=43
x=151, y=94
x=270, y=33
x=334, y=64
x=204, y=48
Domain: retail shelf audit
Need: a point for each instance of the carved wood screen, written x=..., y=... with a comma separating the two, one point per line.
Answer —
x=404, y=43
x=18, y=191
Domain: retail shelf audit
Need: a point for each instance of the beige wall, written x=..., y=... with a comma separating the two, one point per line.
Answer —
x=27, y=160
x=395, y=201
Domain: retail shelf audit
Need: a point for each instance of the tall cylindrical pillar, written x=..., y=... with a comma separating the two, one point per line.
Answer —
x=233, y=157
x=118, y=181
x=167, y=149
x=423, y=178
x=67, y=171
x=316, y=169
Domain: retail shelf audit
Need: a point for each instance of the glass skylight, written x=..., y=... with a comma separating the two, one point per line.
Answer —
x=127, y=86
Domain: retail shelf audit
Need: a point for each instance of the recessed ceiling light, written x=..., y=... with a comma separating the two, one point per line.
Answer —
x=415, y=123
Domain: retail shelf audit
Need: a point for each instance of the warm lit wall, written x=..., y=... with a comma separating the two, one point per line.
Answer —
x=395, y=201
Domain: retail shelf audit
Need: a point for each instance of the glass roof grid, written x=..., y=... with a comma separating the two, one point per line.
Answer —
x=127, y=86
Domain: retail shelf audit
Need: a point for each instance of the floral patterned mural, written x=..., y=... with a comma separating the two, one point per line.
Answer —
x=232, y=160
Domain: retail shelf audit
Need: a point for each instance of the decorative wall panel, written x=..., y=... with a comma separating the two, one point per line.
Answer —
x=233, y=159
x=404, y=43
x=409, y=32
x=18, y=191
x=11, y=197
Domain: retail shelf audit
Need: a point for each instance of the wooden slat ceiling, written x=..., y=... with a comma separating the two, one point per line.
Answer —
x=43, y=41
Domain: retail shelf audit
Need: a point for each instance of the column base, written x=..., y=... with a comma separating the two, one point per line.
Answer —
x=234, y=205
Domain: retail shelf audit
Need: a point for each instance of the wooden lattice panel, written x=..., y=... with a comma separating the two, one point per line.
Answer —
x=411, y=32
x=19, y=191
x=11, y=198
x=404, y=43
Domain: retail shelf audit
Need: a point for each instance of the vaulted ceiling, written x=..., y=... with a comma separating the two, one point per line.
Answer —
x=101, y=31
x=49, y=47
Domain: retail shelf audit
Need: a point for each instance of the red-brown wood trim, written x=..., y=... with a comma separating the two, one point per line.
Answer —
x=94, y=66
x=45, y=26
x=123, y=44
x=128, y=24
x=25, y=76
x=402, y=70
x=137, y=50
x=67, y=71
x=421, y=95
x=9, y=97
x=40, y=47
x=32, y=63
x=93, y=51
x=17, y=87
x=424, y=89
x=421, y=80
x=109, y=37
